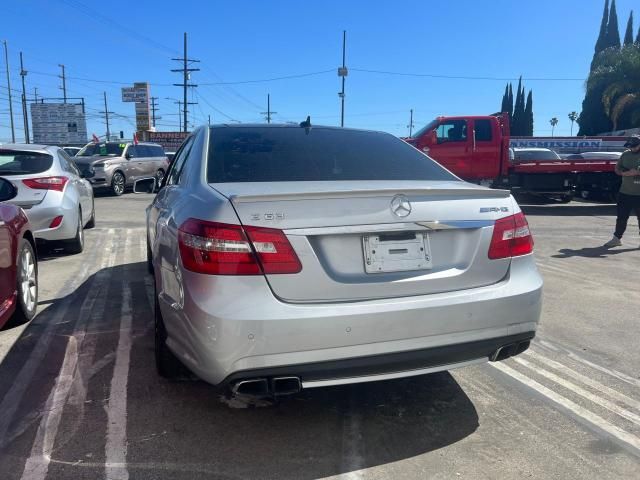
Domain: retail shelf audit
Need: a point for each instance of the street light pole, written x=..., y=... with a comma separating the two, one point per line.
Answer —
x=6, y=59
x=25, y=116
x=343, y=72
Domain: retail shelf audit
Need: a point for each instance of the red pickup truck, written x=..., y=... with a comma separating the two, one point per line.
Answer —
x=477, y=149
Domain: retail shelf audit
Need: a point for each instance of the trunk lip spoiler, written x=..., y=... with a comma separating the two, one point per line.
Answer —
x=391, y=227
x=364, y=193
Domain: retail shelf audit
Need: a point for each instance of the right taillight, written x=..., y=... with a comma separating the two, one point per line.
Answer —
x=223, y=249
x=511, y=237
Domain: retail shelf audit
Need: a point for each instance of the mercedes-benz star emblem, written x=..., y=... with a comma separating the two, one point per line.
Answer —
x=400, y=206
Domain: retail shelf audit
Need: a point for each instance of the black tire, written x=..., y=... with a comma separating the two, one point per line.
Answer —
x=167, y=364
x=149, y=259
x=566, y=198
x=76, y=244
x=159, y=177
x=92, y=221
x=117, y=184
x=26, y=283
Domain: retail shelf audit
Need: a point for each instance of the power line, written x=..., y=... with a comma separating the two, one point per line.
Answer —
x=465, y=77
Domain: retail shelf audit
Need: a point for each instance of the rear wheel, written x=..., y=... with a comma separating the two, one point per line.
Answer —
x=76, y=244
x=117, y=184
x=167, y=364
x=27, y=283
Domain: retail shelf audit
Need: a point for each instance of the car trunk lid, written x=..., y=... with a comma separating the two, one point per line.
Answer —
x=362, y=240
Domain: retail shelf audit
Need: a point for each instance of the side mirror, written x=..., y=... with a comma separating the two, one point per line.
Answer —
x=145, y=185
x=7, y=190
x=127, y=156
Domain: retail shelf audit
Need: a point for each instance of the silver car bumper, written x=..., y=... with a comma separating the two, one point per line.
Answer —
x=230, y=328
x=41, y=215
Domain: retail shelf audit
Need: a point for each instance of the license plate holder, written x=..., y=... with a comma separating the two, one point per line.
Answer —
x=397, y=252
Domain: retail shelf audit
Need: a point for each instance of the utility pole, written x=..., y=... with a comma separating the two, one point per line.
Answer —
x=6, y=59
x=343, y=72
x=25, y=117
x=268, y=113
x=209, y=120
x=410, y=123
x=186, y=75
x=153, y=111
x=64, y=83
x=35, y=94
x=106, y=115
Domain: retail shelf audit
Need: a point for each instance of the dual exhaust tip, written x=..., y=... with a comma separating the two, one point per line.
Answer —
x=510, y=350
x=265, y=387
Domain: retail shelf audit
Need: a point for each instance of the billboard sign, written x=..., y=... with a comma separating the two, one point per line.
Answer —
x=139, y=94
x=59, y=123
x=171, y=141
x=135, y=94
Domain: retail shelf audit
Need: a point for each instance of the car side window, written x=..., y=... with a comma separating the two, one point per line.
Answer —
x=132, y=151
x=178, y=162
x=157, y=151
x=144, y=151
x=452, y=131
x=67, y=163
x=483, y=130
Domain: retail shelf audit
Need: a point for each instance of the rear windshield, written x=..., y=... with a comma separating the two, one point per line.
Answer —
x=238, y=154
x=15, y=162
x=102, y=149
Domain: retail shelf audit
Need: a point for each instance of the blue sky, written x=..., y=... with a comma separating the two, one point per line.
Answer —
x=121, y=41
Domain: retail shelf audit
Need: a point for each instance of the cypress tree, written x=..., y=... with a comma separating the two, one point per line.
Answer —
x=528, y=115
x=628, y=36
x=638, y=36
x=602, y=36
x=613, y=34
x=505, y=99
x=518, y=110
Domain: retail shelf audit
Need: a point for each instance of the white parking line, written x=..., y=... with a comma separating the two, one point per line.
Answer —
x=37, y=464
x=603, y=402
x=116, y=445
x=623, y=436
x=631, y=402
x=13, y=398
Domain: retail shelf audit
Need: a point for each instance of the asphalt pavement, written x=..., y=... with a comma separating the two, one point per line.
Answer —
x=80, y=398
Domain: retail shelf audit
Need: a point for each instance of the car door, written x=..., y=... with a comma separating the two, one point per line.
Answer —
x=453, y=146
x=486, y=149
x=132, y=165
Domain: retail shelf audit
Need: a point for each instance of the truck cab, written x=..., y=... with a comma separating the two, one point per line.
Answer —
x=471, y=147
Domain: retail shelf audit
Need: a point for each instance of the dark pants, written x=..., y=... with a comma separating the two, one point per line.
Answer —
x=626, y=205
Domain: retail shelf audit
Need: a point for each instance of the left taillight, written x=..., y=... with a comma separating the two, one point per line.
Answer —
x=511, y=237
x=46, y=183
x=223, y=249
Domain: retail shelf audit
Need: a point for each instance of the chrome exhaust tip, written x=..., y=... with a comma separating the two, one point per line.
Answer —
x=285, y=385
x=257, y=387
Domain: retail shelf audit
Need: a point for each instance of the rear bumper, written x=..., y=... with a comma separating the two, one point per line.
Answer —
x=41, y=215
x=227, y=328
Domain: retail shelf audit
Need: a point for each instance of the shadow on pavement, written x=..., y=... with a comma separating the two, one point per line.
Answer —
x=186, y=430
x=592, y=252
x=570, y=210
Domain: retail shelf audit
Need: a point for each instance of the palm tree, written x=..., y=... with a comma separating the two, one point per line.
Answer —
x=553, y=122
x=573, y=116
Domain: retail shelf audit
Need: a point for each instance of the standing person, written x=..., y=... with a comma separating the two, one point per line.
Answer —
x=628, y=168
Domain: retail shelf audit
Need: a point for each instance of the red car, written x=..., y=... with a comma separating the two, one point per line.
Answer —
x=18, y=263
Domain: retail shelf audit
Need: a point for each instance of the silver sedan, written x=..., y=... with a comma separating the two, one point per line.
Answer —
x=57, y=201
x=291, y=257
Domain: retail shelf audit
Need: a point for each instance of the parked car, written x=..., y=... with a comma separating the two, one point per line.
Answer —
x=289, y=257
x=19, y=272
x=57, y=201
x=71, y=151
x=116, y=165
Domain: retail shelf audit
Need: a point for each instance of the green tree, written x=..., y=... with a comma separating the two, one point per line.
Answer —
x=510, y=104
x=573, y=116
x=628, y=35
x=618, y=75
x=553, y=122
x=528, y=115
x=613, y=34
x=518, y=111
x=602, y=36
x=505, y=99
